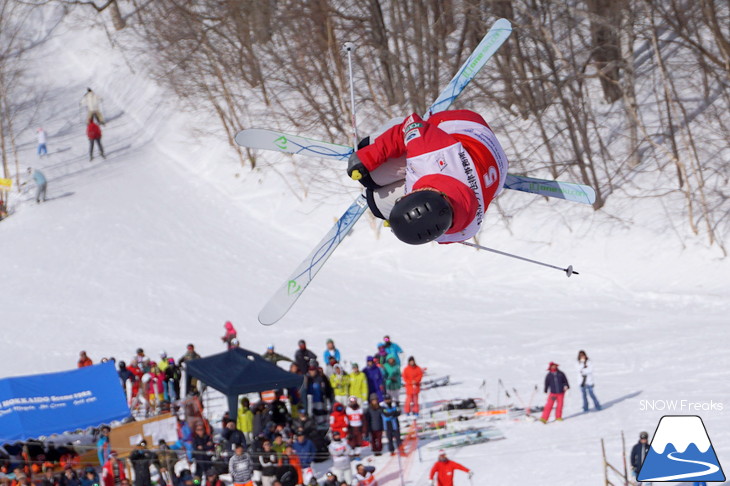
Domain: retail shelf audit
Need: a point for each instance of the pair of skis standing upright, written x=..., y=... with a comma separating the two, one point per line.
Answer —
x=287, y=294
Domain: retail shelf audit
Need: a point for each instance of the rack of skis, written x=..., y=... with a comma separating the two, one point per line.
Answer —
x=460, y=422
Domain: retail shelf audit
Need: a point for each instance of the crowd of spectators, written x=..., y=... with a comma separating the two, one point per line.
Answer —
x=341, y=412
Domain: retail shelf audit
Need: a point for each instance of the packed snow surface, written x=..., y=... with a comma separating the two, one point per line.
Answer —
x=169, y=237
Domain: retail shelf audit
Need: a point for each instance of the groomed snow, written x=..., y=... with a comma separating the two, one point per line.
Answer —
x=166, y=239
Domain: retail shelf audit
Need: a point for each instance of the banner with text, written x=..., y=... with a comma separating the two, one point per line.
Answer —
x=52, y=403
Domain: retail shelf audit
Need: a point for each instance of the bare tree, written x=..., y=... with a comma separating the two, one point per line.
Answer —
x=591, y=91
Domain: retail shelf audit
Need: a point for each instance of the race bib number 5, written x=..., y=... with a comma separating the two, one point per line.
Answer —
x=490, y=177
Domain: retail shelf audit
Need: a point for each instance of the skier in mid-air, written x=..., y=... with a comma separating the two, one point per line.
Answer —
x=432, y=179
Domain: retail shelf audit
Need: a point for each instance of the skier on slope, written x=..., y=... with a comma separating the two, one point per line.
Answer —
x=453, y=168
x=41, y=184
x=92, y=102
x=93, y=132
x=42, y=140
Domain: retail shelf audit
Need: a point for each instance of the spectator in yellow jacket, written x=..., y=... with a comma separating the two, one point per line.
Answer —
x=340, y=382
x=359, y=385
x=244, y=421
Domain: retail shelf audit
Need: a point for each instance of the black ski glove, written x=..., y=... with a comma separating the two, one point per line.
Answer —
x=355, y=168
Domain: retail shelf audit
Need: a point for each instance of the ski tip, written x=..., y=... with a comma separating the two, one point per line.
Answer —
x=268, y=320
x=503, y=24
x=240, y=137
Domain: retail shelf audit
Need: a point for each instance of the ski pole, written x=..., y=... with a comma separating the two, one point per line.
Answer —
x=568, y=271
x=519, y=397
x=529, y=404
x=349, y=47
x=505, y=389
x=498, y=388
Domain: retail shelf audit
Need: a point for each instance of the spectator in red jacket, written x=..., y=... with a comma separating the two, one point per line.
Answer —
x=338, y=419
x=112, y=474
x=93, y=131
x=84, y=360
x=444, y=469
x=412, y=376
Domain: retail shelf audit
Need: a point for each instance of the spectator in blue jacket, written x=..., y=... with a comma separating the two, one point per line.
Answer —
x=392, y=348
x=103, y=446
x=90, y=477
x=556, y=383
x=376, y=383
x=331, y=350
x=391, y=423
x=305, y=449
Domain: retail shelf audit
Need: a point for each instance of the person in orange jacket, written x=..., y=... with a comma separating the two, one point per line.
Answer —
x=290, y=458
x=84, y=360
x=412, y=375
x=94, y=133
x=445, y=468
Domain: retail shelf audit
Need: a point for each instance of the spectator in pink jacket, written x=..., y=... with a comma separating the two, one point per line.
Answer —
x=230, y=335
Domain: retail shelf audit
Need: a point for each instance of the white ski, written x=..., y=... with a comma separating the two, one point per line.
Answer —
x=284, y=298
x=570, y=191
x=261, y=138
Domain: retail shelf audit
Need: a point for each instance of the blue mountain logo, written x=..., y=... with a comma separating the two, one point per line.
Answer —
x=681, y=451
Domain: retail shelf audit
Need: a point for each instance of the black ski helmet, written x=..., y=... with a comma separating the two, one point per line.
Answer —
x=420, y=217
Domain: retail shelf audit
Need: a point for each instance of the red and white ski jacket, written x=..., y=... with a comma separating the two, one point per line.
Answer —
x=455, y=153
x=354, y=417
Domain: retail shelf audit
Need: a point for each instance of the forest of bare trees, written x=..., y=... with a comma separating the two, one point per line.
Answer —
x=628, y=96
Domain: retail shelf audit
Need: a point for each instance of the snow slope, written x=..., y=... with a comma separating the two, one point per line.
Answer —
x=168, y=238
